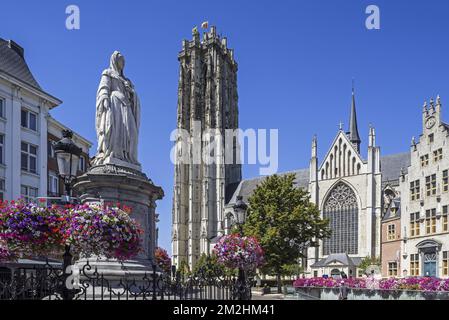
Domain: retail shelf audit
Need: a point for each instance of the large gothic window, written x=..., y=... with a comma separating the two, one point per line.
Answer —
x=342, y=211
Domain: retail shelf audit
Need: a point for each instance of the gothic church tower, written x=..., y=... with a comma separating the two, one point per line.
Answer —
x=207, y=106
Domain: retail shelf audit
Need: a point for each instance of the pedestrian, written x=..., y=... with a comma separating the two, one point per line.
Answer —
x=343, y=291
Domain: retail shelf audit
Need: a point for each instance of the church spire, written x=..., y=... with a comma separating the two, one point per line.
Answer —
x=353, y=133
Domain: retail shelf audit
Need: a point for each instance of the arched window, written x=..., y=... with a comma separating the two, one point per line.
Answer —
x=342, y=211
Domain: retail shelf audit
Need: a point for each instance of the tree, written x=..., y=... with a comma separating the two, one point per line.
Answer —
x=285, y=222
x=368, y=261
x=208, y=265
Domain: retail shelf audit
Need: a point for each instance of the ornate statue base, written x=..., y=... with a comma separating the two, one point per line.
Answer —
x=111, y=183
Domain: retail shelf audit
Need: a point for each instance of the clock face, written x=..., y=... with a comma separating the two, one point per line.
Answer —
x=430, y=122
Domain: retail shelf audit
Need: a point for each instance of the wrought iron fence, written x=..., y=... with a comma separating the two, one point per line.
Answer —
x=48, y=282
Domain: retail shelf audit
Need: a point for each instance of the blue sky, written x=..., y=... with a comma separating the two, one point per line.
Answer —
x=296, y=61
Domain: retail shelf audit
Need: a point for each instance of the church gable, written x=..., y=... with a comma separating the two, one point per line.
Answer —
x=342, y=159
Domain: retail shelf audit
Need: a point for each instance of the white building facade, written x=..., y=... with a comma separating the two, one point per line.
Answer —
x=24, y=109
x=424, y=190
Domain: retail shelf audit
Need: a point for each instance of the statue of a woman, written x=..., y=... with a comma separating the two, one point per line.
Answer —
x=117, y=117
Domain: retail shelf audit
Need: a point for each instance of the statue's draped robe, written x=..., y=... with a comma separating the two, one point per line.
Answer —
x=117, y=126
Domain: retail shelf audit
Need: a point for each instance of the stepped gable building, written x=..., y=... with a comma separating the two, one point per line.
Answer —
x=207, y=102
x=424, y=194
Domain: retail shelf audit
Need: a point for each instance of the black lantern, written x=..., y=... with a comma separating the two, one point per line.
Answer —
x=68, y=156
x=240, y=209
x=242, y=287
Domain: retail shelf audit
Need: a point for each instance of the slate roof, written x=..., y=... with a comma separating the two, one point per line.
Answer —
x=13, y=63
x=342, y=258
x=396, y=203
x=390, y=167
x=246, y=187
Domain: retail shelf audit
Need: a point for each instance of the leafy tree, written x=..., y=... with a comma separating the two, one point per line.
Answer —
x=284, y=220
x=368, y=261
x=184, y=269
x=208, y=265
x=292, y=269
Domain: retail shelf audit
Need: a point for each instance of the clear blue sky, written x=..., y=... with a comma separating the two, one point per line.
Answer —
x=296, y=61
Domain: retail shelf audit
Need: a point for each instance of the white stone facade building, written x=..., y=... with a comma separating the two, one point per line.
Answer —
x=424, y=193
x=24, y=125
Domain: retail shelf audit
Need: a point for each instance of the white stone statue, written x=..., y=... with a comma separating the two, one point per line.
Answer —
x=117, y=117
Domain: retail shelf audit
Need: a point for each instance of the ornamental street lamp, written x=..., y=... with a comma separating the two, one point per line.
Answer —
x=68, y=156
x=240, y=209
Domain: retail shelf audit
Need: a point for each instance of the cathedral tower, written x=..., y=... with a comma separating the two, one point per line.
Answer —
x=207, y=106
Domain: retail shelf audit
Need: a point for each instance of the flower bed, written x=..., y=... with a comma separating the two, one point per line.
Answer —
x=410, y=283
x=236, y=252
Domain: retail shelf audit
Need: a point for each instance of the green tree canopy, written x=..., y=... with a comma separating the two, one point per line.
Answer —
x=284, y=220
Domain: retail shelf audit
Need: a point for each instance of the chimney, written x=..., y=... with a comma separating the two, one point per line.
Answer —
x=18, y=49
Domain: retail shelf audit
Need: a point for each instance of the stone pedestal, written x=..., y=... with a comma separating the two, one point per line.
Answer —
x=111, y=183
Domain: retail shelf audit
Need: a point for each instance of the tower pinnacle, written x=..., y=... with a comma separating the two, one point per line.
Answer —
x=353, y=133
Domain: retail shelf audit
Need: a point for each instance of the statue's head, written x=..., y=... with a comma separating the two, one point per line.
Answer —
x=117, y=62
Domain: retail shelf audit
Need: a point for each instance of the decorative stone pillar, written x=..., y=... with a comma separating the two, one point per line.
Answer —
x=114, y=184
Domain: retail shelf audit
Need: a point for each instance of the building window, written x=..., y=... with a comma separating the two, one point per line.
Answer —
x=445, y=180
x=431, y=221
x=431, y=185
x=445, y=216
x=51, y=149
x=392, y=269
x=2, y=108
x=445, y=263
x=431, y=138
x=29, y=157
x=29, y=119
x=82, y=164
x=414, y=264
x=437, y=155
x=391, y=232
x=341, y=209
x=2, y=189
x=425, y=160
x=53, y=184
x=414, y=190
x=2, y=148
x=414, y=224
x=29, y=194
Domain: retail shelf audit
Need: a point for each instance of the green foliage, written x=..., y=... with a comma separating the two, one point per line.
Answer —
x=184, y=269
x=209, y=265
x=283, y=219
x=368, y=261
x=292, y=269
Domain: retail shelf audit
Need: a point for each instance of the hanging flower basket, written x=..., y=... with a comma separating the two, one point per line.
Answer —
x=106, y=232
x=5, y=254
x=237, y=252
x=31, y=230
x=163, y=259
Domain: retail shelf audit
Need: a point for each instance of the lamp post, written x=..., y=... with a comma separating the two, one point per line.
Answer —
x=240, y=209
x=67, y=155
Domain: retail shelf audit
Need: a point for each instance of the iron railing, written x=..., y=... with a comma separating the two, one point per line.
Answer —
x=47, y=282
